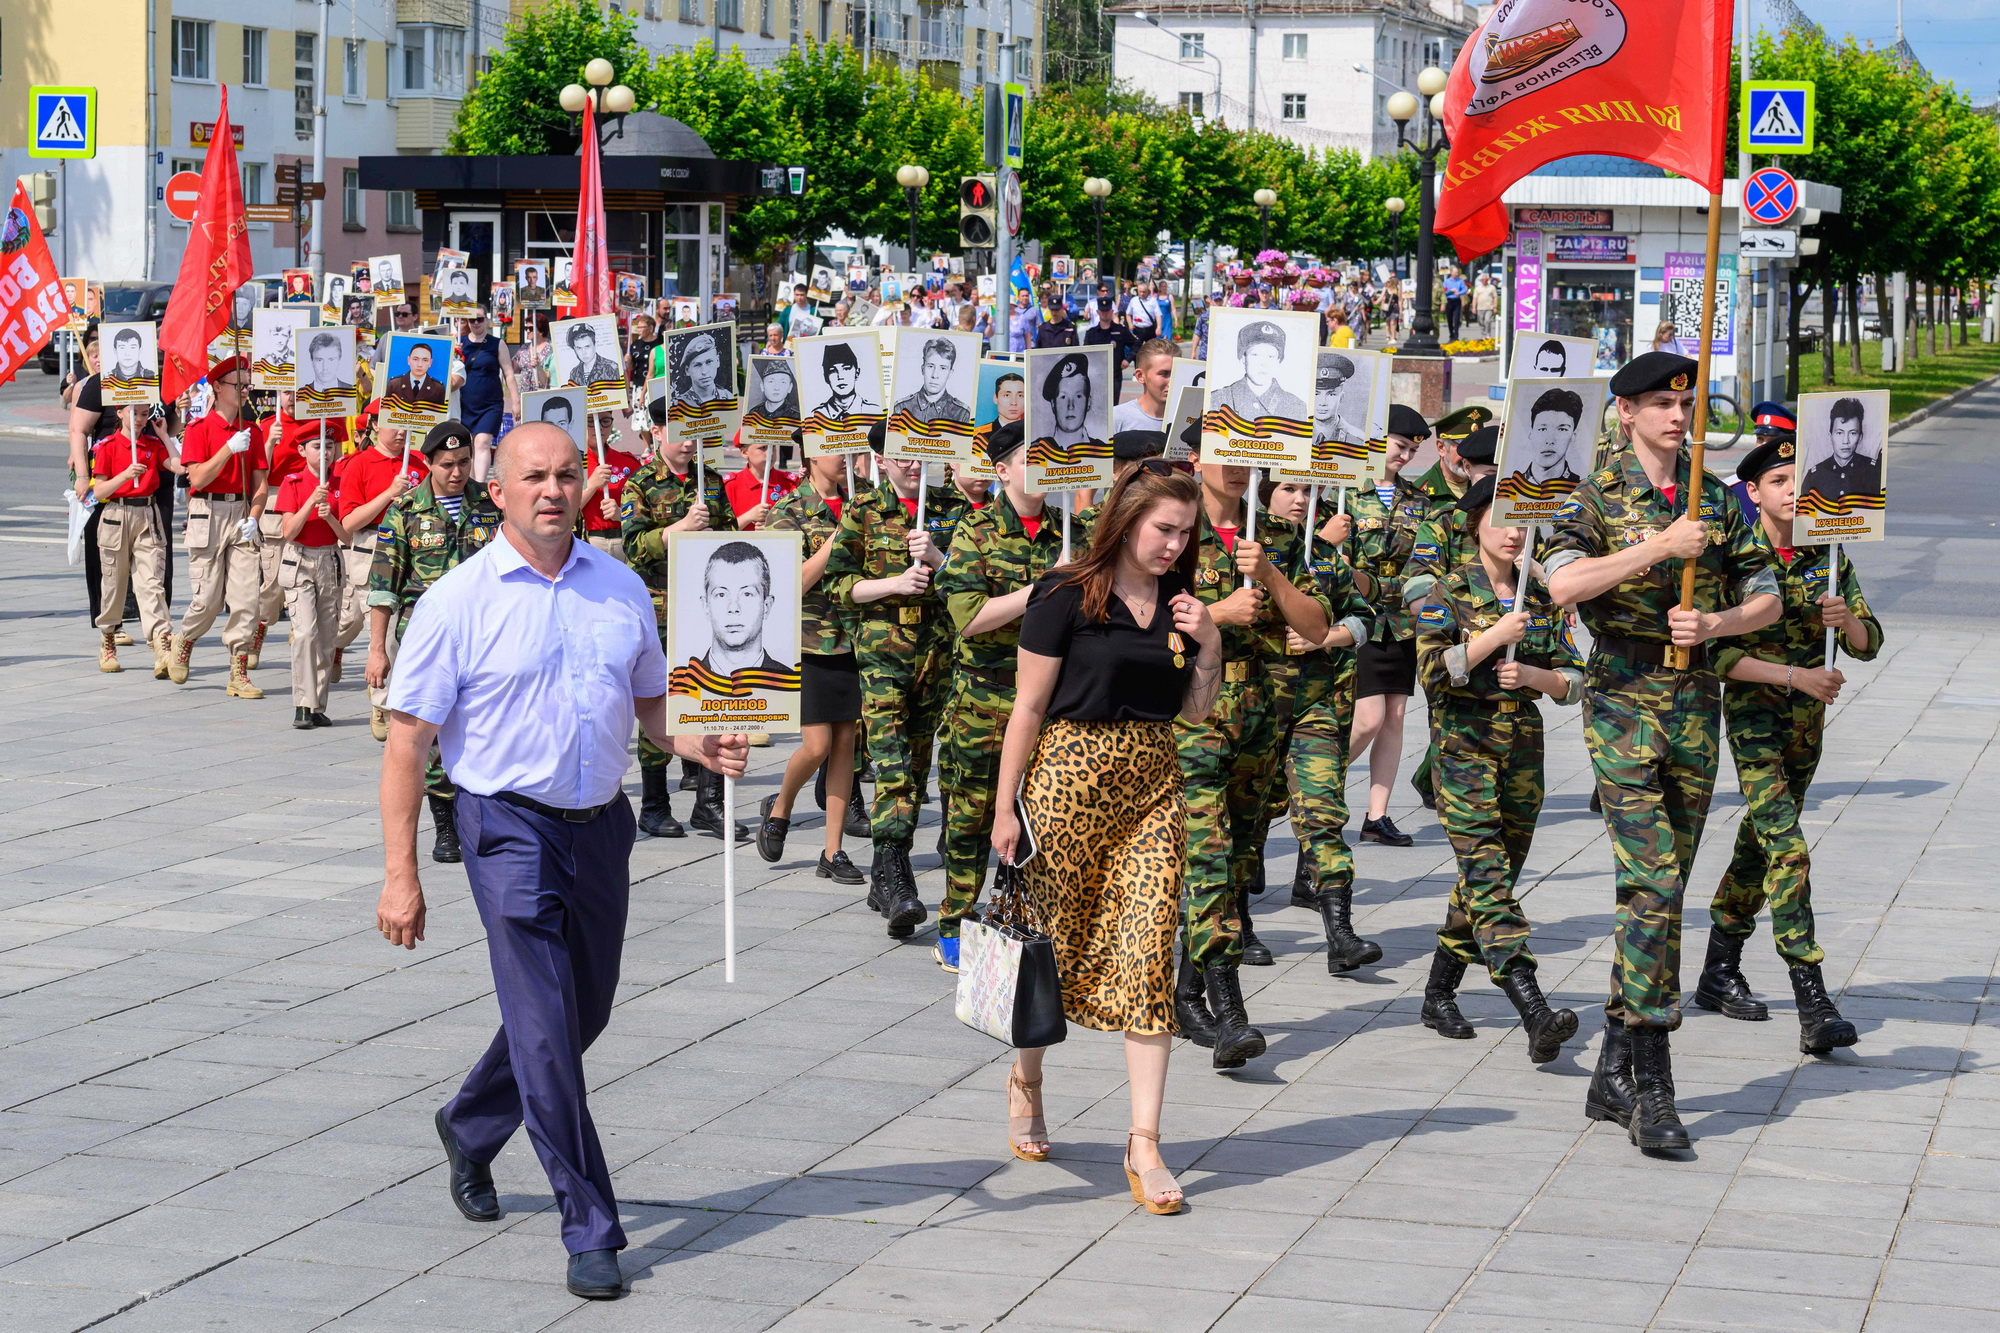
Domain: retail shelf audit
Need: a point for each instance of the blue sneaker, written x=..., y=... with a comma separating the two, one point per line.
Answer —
x=946, y=953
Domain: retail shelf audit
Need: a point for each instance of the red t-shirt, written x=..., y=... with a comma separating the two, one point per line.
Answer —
x=365, y=475
x=623, y=465
x=834, y=503
x=744, y=489
x=114, y=453
x=293, y=494
x=1228, y=537
x=1032, y=525
x=910, y=507
x=210, y=436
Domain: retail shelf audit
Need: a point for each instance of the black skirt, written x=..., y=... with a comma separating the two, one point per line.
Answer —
x=1385, y=668
x=831, y=688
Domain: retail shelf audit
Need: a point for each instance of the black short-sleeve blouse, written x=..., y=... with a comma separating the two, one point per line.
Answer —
x=1112, y=671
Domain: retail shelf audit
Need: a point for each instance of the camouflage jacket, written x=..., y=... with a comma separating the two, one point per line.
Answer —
x=1385, y=536
x=1617, y=507
x=1346, y=607
x=1215, y=578
x=1796, y=637
x=993, y=555
x=1462, y=606
x=655, y=498
x=872, y=544
x=419, y=542
x=827, y=627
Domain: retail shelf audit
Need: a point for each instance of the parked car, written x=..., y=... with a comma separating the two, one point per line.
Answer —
x=124, y=303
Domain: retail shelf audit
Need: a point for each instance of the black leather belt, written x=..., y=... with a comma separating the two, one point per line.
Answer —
x=220, y=495
x=143, y=500
x=583, y=816
x=1647, y=654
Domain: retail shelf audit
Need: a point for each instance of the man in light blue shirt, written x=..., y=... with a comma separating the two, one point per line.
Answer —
x=527, y=664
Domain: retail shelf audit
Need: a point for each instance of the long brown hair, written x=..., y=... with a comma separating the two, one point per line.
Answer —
x=1131, y=499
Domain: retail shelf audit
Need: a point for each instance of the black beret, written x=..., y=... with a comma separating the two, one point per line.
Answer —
x=1457, y=425
x=878, y=436
x=656, y=408
x=1478, y=496
x=1130, y=444
x=1191, y=435
x=1773, y=451
x=446, y=435
x=1068, y=367
x=1407, y=422
x=1479, y=446
x=1004, y=442
x=1649, y=371
x=799, y=438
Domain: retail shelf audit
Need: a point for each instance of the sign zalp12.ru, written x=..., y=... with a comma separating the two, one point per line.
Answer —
x=1563, y=249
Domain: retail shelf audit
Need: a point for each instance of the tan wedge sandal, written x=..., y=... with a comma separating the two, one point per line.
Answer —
x=1030, y=1128
x=1150, y=1184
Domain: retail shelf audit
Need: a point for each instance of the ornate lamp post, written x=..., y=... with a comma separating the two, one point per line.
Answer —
x=1402, y=108
x=913, y=179
x=614, y=101
x=1099, y=189
x=1265, y=200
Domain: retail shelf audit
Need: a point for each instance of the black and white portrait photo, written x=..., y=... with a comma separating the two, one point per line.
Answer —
x=457, y=292
x=733, y=632
x=771, y=408
x=326, y=380
x=1263, y=369
x=562, y=408
x=1552, y=356
x=1069, y=418
x=247, y=300
x=840, y=377
x=587, y=356
x=130, y=356
x=1340, y=400
x=937, y=376
x=274, y=346
x=1546, y=445
x=385, y=274
x=333, y=294
x=1841, y=494
x=701, y=364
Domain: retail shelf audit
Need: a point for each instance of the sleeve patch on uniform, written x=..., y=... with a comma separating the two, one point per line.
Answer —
x=1434, y=616
x=1424, y=551
x=1569, y=510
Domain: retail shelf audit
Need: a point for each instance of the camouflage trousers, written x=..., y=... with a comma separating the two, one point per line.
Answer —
x=1777, y=752
x=1225, y=763
x=1653, y=740
x=1489, y=795
x=975, y=722
x=902, y=700
x=1316, y=766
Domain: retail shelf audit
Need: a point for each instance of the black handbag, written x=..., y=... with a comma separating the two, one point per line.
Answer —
x=1008, y=984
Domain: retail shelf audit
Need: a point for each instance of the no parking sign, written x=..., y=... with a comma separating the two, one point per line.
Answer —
x=1770, y=196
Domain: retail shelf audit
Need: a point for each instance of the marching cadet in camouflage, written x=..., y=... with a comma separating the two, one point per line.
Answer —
x=424, y=535
x=1616, y=554
x=1777, y=684
x=1315, y=739
x=882, y=566
x=996, y=555
x=1227, y=758
x=1486, y=734
x=660, y=498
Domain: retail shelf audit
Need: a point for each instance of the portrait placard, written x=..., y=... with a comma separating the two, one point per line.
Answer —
x=334, y=288
x=1344, y=384
x=1187, y=399
x=274, y=346
x=563, y=274
x=1069, y=418
x=326, y=381
x=937, y=378
x=76, y=295
x=562, y=408
x=357, y=312
x=414, y=396
x=130, y=355
x=840, y=378
x=1546, y=444
x=733, y=632
x=385, y=278
x=298, y=287
x=587, y=357
x=1843, y=471
x=1262, y=365
x=1001, y=400
x=531, y=277
x=457, y=292
x=631, y=291
x=500, y=301
x=702, y=403
x=771, y=412
x=1552, y=356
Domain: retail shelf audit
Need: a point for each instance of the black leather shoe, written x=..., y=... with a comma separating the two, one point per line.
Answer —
x=594, y=1276
x=1236, y=1042
x=445, y=850
x=771, y=833
x=1611, y=1092
x=1821, y=1028
x=837, y=868
x=1384, y=831
x=1345, y=950
x=905, y=910
x=1440, y=1010
x=1722, y=987
x=1547, y=1028
x=471, y=1182
x=656, y=811
x=320, y=719
x=1191, y=1013
x=1656, y=1124
x=1256, y=953
x=1303, y=893
x=302, y=719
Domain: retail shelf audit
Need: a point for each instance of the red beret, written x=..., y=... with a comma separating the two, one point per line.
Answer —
x=226, y=366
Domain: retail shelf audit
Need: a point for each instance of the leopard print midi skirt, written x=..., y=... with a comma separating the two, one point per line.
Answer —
x=1110, y=826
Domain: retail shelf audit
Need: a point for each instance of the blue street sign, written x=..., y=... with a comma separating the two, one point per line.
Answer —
x=65, y=121
x=1770, y=196
x=1777, y=117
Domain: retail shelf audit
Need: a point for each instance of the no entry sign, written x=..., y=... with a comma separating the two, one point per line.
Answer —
x=183, y=194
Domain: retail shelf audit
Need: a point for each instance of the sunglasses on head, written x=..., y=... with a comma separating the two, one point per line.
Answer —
x=1159, y=467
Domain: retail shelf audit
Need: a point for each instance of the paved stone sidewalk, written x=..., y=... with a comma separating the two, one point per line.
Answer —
x=217, y=1082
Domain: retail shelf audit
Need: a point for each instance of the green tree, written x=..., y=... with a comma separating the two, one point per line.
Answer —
x=515, y=107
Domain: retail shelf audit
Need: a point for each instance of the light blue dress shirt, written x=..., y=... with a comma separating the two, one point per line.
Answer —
x=531, y=680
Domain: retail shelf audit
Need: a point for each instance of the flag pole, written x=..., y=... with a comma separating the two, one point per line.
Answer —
x=1681, y=658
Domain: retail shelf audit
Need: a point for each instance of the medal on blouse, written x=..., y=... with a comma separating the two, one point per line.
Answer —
x=1179, y=645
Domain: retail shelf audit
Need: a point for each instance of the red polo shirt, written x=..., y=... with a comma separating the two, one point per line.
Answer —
x=114, y=453
x=623, y=465
x=744, y=489
x=210, y=436
x=293, y=494
x=365, y=475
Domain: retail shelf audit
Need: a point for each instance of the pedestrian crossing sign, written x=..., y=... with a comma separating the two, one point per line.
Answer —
x=1777, y=117
x=65, y=121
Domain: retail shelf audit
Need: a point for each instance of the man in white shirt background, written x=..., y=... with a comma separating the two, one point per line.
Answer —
x=1152, y=368
x=528, y=663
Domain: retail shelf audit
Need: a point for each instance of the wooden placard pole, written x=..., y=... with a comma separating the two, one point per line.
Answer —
x=1681, y=658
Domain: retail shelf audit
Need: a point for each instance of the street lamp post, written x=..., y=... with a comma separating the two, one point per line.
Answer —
x=615, y=101
x=1099, y=189
x=1402, y=107
x=913, y=179
x=1394, y=207
x=1265, y=200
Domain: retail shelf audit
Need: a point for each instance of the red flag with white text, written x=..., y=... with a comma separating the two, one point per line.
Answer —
x=1545, y=79
x=592, y=279
x=32, y=303
x=215, y=263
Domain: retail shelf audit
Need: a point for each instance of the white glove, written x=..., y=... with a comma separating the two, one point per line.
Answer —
x=247, y=529
x=239, y=443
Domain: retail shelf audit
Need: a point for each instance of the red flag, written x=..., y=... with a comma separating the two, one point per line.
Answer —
x=591, y=280
x=32, y=303
x=1543, y=79
x=215, y=263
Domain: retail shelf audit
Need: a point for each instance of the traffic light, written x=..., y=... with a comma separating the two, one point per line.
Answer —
x=978, y=212
x=42, y=194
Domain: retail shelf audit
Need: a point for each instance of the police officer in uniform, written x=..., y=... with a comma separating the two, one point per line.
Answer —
x=1616, y=554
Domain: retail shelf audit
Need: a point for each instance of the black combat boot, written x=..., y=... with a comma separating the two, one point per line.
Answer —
x=1655, y=1125
x=857, y=824
x=1441, y=997
x=1191, y=1014
x=1303, y=893
x=445, y=850
x=1236, y=1042
x=1345, y=950
x=878, y=884
x=1547, y=1028
x=656, y=811
x=707, y=816
x=1611, y=1091
x=690, y=775
x=905, y=909
x=1722, y=987
x=1821, y=1028
x=1256, y=953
